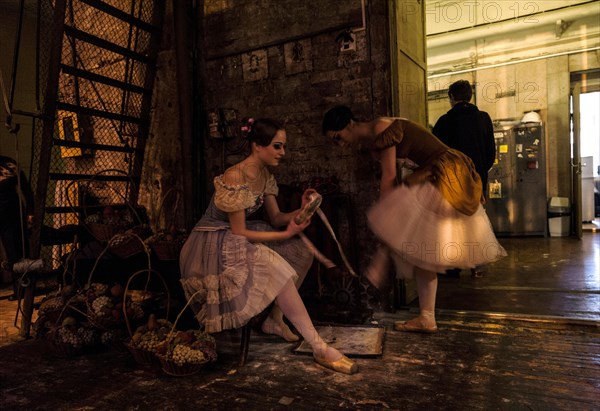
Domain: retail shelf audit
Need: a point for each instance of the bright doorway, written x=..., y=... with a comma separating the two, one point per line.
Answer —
x=589, y=109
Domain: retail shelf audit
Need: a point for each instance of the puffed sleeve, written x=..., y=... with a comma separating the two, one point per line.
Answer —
x=230, y=198
x=391, y=136
x=271, y=186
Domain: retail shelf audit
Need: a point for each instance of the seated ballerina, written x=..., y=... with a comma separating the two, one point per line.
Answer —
x=238, y=267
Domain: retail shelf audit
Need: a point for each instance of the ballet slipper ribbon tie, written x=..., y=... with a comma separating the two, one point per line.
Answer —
x=315, y=251
x=318, y=255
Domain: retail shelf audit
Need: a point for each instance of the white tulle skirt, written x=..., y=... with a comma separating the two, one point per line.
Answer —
x=423, y=230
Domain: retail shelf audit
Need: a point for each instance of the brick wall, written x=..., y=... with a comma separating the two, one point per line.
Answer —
x=296, y=82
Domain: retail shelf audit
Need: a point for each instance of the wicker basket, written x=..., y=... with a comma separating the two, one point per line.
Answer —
x=171, y=368
x=60, y=349
x=104, y=232
x=142, y=357
x=104, y=322
x=103, y=227
x=125, y=245
x=55, y=316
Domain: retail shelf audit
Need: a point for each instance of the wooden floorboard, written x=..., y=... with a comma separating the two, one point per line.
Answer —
x=472, y=363
x=526, y=336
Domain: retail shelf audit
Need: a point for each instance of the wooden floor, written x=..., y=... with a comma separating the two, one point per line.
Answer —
x=552, y=276
x=524, y=337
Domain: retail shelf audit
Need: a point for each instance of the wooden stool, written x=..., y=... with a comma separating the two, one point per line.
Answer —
x=246, y=330
x=244, y=344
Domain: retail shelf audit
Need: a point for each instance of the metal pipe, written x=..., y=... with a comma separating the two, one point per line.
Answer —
x=15, y=61
x=507, y=63
x=181, y=16
x=41, y=188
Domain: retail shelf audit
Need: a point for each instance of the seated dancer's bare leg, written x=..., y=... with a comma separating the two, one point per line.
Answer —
x=293, y=308
x=274, y=324
x=427, y=283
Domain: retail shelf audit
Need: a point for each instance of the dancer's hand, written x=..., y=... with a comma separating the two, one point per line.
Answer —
x=294, y=229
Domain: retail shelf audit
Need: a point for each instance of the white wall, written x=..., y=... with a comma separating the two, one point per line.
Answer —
x=518, y=63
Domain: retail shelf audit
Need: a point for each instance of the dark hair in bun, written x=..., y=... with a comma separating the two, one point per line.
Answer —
x=337, y=118
x=260, y=131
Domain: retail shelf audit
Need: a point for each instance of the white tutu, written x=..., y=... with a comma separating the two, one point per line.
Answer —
x=424, y=230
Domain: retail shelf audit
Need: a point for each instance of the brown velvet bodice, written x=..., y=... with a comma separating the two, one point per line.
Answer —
x=452, y=172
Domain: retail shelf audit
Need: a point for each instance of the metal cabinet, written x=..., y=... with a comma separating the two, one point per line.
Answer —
x=516, y=192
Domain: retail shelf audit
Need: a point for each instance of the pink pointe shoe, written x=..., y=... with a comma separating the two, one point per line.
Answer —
x=344, y=365
x=414, y=326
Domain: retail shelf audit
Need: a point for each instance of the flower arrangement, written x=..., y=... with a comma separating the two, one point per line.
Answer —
x=247, y=128
x=146, y=340
x=186, y=352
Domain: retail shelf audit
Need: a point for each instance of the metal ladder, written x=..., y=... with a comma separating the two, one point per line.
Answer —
x=98, y=67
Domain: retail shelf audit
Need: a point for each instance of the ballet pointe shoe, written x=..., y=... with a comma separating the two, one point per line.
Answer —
x=280, y=329
x=414, y=326
x=344, y=365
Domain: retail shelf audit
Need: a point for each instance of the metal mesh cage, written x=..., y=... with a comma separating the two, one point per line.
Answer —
x=92, y=146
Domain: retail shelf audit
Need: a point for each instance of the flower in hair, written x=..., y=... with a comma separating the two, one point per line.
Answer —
x=247, y=127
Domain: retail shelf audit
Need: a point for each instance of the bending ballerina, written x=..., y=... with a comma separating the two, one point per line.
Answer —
x=432, y=220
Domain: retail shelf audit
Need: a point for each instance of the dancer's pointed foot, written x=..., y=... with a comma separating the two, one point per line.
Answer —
x=281, y=329
x=344, y=365
x=416, y=325
x=336, y=361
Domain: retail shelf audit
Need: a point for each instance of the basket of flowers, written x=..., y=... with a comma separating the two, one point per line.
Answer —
x=106, y=305
x=166, y=245
x=58, y=313
x=185, y=353
x=146, y=338
x=105, y=225
x=130, y=242
x=59, y=304
x=104, y=203
x=70, y=338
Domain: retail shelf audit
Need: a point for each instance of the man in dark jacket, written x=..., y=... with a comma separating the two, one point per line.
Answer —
x=16, y=211
x=467, y=129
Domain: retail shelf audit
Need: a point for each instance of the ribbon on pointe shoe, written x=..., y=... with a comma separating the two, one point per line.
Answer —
x=319, y=255
x=282, y=330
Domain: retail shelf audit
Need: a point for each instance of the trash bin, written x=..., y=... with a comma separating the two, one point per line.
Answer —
x=559, y=217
